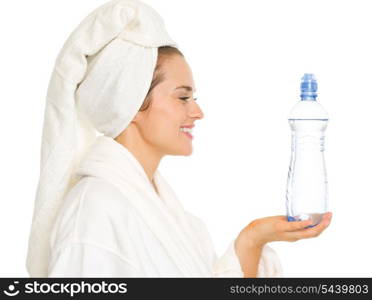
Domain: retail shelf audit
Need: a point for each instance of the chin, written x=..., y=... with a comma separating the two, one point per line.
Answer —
x=188, y=153
x=185, y=151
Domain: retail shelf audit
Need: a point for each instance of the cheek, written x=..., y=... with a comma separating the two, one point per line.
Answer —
x=163, y=125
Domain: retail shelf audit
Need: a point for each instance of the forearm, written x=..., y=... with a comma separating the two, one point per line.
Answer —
x=249, y=255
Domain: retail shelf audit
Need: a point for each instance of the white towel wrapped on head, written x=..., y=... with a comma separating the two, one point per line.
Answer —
x=123, y=37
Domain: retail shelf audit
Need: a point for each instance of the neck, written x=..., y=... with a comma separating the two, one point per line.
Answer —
x=146, y=155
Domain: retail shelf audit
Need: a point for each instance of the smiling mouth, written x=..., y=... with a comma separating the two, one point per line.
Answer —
x=187, y=131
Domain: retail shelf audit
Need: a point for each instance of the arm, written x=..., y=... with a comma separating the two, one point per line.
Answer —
x=267, y=263
x=249, y=255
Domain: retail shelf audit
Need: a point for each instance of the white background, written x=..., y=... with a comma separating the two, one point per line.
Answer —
x=247, y=58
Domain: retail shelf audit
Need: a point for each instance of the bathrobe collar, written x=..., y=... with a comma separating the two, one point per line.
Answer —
x=163, y=213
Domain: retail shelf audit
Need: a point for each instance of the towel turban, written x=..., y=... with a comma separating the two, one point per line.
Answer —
x=100, y=79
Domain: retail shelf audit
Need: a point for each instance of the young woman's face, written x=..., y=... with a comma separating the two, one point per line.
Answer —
x=172, y=108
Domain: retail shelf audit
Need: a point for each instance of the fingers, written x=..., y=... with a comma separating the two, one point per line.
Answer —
x=298, y=225
x=313, y=231
x=282, y=225
x=278, y=228
x=327, y=217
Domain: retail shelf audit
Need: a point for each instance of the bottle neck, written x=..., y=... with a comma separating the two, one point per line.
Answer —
x=308, y=97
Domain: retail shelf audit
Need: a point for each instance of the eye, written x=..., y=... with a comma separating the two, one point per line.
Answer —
x=185, y=98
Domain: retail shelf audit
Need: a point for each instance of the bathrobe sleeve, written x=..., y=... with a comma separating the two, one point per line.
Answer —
x=228, y=264
x=86, y=260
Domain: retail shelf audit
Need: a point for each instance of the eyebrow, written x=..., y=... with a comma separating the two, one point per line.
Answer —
x=186, y=87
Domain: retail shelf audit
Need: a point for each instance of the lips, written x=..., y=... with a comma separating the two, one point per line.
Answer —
x=188, y=126
x=187, y=130
x=188, y=134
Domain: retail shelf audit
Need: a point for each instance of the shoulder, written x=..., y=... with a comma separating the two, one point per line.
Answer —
x=92, y=211
x=96, y=187
x=101, y=202
x=94, y=197
x=96, y=193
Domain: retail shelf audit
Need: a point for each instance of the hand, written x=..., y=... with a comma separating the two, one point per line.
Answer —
x=277, y=228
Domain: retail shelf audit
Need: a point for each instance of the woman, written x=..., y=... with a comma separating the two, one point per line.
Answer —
x=103, y=209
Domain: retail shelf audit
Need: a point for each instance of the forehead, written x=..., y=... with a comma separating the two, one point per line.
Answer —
x=178, y=74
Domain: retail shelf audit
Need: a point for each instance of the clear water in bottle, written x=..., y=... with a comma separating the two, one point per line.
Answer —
x=307, y=191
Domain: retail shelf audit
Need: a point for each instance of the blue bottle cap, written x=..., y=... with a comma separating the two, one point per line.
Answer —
x=309, y=87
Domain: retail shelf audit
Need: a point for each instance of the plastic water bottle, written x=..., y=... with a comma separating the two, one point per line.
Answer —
x=307, y=192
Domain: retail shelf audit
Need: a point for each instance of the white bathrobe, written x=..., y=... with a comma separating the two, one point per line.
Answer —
x=114, y=224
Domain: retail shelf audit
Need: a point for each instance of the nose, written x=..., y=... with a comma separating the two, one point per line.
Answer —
x=195, y=111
